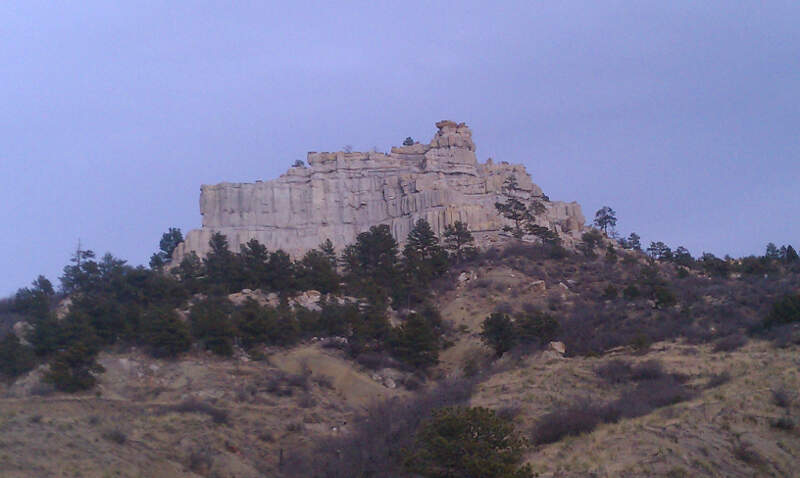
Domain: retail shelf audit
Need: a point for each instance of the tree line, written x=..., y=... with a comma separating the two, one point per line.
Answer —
x=113, y=303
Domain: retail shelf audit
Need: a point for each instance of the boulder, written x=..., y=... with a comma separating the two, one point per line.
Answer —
x=557, y=347
x=22, y=329
x=538, y=286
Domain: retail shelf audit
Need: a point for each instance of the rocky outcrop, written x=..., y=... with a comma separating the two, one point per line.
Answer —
x=338, y=195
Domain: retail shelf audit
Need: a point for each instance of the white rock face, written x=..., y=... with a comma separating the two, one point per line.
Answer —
x=342, y=194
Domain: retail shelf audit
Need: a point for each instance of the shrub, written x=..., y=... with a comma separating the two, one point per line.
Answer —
x=584, y=415
x=784, y=311
x=730, y=343
x=784, y=423
x=504, y=308
x=201, y=460
x=609, y=293
x=631, y=292
x=782, y=398
x=718, y=379
x=191, y=405
x=536, y=328
x=306, y=401
x=620, y=371
x=467, y=442
x=323, y=381
x=664, y=297
x=746, y=453
x=116, y=436
x=576, y=419
x=648, y=395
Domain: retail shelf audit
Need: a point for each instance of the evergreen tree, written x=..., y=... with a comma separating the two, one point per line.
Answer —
x=190, y=271
x=467, y=442
x=371, y=264
x=281, y=273
x=255, y=264
x=254, y=323
x=316, y=271
x=425, y=259
x=329, y=251
x=15, y=358
x=459, y=242
x=409, y=141
x=221, y=264
x=34, y=301
x=683, y=257
x=772, y=252
x=514, y=209
x=82, y=273
x=537, y=208
x=337, y=319
x=791, y=255
x=416, y=342
x=545, y=234
x=605, y=219
x=74, y=369
x=537, y=327
x=714, y=266
x=164, y=334
x=660, y=251
x=169, y=242
x=591, y=239
x=633, y=242
x=211, y=326
x=497, y=331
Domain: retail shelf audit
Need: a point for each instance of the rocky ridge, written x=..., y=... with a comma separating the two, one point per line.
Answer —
x=338, y=195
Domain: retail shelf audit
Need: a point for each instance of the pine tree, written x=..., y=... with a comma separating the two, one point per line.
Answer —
x=221, y=265
x=423, y=261
x=605, y=219
x=633, y=242
x=772, y=252
x=330, y=252
x=315, y=271
x=683, y=257
x=659, y=250
x=281, y=275
x=255, y=264
x=371, y=264
x=467, y=442
x=791, y=255
x=416, y=342
x=497, y=331
x=458, y=240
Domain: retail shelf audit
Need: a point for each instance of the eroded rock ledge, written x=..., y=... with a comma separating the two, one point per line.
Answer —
x=342, y=194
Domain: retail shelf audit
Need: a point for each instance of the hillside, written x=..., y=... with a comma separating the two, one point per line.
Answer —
x=681, y=382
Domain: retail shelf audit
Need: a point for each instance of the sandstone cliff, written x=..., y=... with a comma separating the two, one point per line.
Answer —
x=342, y=194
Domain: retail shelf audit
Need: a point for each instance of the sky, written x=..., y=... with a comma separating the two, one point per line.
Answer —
x=683, y=116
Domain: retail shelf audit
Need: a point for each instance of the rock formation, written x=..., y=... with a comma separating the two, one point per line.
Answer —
x=342, y=194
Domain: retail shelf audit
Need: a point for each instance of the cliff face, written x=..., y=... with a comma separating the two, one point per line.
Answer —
x=342, y=194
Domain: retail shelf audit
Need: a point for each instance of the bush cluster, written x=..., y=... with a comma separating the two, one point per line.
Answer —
x=647, y=387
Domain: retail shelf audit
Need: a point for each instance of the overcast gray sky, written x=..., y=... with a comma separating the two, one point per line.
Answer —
x=683, y=116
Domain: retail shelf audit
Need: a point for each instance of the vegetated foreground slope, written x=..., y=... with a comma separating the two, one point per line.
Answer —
x=666, y=373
